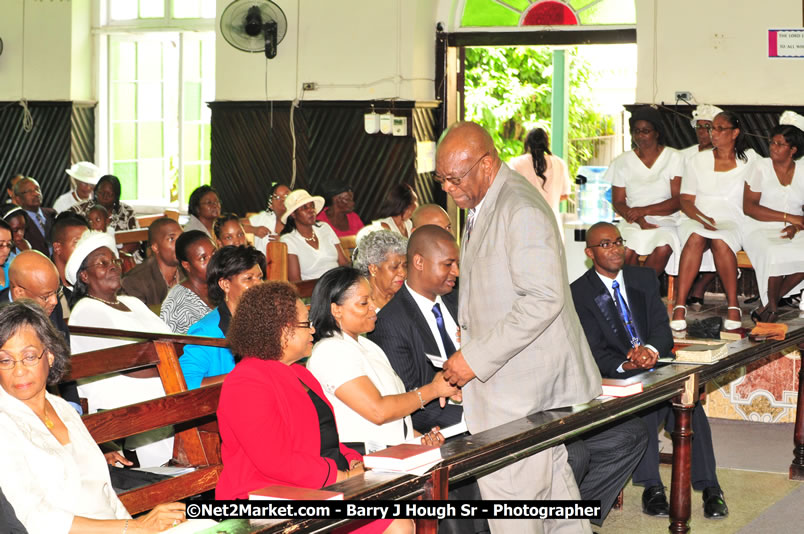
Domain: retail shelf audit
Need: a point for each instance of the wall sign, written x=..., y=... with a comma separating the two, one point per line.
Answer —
x=786, y=43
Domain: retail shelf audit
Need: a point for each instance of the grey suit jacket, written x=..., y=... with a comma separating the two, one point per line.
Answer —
x=520, y=333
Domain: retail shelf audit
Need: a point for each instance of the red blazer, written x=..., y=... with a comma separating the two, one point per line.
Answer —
x=270, y=430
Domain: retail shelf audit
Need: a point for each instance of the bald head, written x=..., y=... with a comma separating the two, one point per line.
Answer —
x=466, y=163
x=431, y=214
x=594, y=231
x=432, y=261
x=32, y=275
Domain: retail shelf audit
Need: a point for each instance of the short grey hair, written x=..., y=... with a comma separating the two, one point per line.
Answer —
x=26, y=312
x=375, y=248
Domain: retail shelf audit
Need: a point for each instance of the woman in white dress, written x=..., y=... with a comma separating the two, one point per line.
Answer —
x=395, y=213
x=774, y=203
x=645, y=187
x=313, y=247
x=712, y=200
x=94, y=271
x=548, y=173
x=369, y=399
x=51, y=471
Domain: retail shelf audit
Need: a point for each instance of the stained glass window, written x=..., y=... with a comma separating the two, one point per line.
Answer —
x=490, y=13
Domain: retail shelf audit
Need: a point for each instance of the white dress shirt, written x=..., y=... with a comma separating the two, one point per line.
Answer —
x=426, y=307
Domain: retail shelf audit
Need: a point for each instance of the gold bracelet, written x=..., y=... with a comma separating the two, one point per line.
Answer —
x=421, y=400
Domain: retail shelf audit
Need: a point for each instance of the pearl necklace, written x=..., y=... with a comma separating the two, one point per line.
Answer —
x=115, y=302
x=311, y=238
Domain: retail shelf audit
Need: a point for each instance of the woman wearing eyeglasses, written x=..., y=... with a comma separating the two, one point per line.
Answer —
x=712, y=201
x=267, y=225
x=645, y=186
x=774, y=203
x=277, y=426
x=204, y=208
x=94, y=271
x=51, y=471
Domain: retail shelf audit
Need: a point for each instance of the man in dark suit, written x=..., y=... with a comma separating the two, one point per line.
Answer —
x=151, y=280
x=408, y=331
x=38, y=220
x=627, y=328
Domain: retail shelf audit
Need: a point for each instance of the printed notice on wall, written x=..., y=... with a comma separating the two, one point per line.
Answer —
x=786, y=43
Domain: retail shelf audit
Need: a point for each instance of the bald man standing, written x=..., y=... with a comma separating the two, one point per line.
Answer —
x=522, y=347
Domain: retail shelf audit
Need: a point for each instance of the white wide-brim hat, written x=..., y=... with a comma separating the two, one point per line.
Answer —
x=704, y=112
x=86, y=172
x=792, y=118
x=298, y=198
x=89, y=242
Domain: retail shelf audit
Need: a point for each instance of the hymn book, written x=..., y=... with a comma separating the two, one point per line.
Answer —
x=402, y=458
x=622, y=387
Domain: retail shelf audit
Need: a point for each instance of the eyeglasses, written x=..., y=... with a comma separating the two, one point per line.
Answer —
x=703, y=126
x=211, y=203
x=279, y=197
x=29, y=191
x=28, y=361
x=774, y=143
x=607, y=244
x=105, y=264
x=47, y=296
x=457, y=181
x=642, y=131
x=720, y=129
x=6, y=244
x=304, y=324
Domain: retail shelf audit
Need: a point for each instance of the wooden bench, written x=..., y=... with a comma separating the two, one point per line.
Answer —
x=742, y=263
x=196, y=442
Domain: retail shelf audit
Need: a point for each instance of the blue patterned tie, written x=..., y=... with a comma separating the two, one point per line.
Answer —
x=625, y=314
x=449, y=347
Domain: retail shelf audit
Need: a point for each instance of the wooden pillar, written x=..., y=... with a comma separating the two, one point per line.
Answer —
x=797, y=467
x=435, y=489
x=682, y=457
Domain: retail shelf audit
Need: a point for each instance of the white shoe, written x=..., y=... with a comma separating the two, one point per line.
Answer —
x=679, y=324
x=729, y=324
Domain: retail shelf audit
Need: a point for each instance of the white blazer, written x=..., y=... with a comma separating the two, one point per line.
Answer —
x=41, y=479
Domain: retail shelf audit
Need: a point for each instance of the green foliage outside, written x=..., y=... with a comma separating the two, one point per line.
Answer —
x=509, y=89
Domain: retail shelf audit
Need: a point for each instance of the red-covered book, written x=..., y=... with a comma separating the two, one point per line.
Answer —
x=622, y=387
x=402, y=457
x=291, y=493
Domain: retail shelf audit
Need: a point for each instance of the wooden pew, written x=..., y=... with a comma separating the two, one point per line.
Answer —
x=196, y=444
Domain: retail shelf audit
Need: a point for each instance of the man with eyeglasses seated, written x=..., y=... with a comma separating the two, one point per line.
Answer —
x=38, y=220
x=32, y=275
x=628, y=330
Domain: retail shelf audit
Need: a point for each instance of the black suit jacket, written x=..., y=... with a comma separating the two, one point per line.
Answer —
x=603, y=326
x=34, y=236
x=403, y=334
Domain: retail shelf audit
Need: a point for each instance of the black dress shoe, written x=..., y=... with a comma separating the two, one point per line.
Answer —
x=714, y=504
x=654, y=502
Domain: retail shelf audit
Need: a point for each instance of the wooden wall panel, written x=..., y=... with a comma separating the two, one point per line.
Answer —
x=247, y=153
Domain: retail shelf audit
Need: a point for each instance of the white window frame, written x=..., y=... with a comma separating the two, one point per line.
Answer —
x=103, y=29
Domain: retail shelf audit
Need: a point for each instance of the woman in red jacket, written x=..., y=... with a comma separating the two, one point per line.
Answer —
x=275, y=422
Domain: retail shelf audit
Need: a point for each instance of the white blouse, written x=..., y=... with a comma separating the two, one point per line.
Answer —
x=339, y=359
x=313, y=263
x=267, y=219
x=48, y=483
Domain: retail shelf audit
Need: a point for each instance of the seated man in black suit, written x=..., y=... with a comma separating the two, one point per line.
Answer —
x=38, y=220
x=627, y=328
x=409, y=331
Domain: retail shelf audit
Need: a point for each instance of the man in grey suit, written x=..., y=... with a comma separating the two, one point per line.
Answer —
x=522, y=347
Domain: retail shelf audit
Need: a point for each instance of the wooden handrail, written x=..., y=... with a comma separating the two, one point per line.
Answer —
x=181, y=339
x=488, y=451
